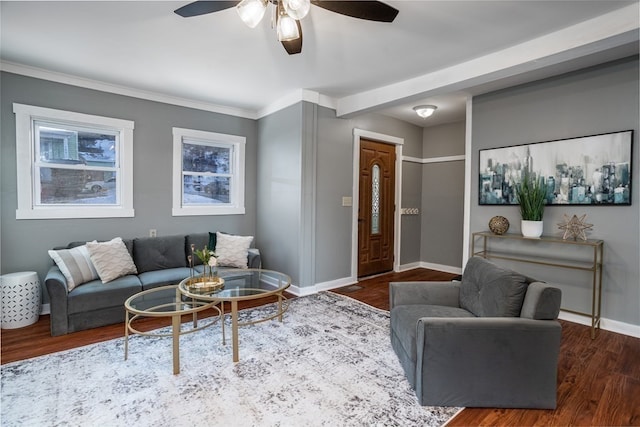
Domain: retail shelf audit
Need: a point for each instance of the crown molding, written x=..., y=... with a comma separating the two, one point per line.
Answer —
x=40, y=73
x=295, y=97
x=280, y=104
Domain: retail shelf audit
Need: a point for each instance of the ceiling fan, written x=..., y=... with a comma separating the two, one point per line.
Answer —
x=288, y=13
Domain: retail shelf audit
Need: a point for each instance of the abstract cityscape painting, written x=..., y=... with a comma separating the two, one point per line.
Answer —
x=589, y=170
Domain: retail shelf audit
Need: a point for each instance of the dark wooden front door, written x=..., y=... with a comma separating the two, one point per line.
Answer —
x=376, y=206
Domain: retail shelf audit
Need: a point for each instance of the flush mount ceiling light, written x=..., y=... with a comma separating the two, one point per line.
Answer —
x=425, y=111
x=288, y=13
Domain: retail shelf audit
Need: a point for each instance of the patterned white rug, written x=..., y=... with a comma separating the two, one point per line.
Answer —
x=330, y=363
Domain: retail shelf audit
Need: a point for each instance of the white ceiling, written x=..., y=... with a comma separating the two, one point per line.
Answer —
x=435, y=52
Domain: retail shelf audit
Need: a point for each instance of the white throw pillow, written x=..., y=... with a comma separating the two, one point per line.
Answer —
x=111, y=259
x=75, y=264
x=232, y=251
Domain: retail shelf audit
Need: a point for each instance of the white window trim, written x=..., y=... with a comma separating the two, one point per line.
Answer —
x=237, y=191
x=25, y=115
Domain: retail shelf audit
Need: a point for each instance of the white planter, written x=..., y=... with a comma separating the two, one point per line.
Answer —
x=531, y=228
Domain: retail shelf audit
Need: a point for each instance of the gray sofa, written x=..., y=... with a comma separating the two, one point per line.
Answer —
x=159, y=260
x=490, y=340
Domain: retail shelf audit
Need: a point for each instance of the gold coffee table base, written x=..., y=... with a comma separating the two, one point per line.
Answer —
x=243, y=285
x=166, y=301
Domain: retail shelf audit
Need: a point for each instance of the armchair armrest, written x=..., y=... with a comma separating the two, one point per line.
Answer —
x=483, y=361
x=434, y=293
x=57, y=289
x=541, y=302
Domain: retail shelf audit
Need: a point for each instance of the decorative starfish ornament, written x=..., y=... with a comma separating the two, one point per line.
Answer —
x=575, y=227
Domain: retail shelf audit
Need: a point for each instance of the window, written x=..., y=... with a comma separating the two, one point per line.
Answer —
x=72, y=165
x=208, y=173
x=375, y=199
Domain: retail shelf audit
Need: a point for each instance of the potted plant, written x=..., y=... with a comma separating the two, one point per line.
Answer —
x=531, y=194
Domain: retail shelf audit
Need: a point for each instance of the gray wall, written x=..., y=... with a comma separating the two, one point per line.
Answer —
x=24, y=243
x=305, y=167
x=335, y=180
x=296, y=177
x=279, y=186
x=591, y=101
x=411, y=189
x=443, y=196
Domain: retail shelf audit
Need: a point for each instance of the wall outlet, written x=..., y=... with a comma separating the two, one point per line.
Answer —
x=153, y=232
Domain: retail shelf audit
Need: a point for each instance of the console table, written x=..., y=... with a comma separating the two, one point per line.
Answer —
x=592, y=265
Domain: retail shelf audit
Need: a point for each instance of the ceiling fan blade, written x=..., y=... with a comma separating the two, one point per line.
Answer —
x=370, y=10
x=294, y=46
x=203, y=7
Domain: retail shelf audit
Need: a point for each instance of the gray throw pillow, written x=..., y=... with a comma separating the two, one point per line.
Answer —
x=490, y=291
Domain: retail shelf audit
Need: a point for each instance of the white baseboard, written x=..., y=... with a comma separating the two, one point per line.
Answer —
x=410, y=266
x=441, y=267
x=45, y=309
x=322, y=286
x=605, y=324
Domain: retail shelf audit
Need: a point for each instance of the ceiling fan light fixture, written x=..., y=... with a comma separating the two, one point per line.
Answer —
x=251, y=11
x=297, y=9
x=287, y=28
x=425, y=111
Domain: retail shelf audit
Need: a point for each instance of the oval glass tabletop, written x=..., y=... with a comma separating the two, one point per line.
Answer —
x=236, y=284
x=162, y=302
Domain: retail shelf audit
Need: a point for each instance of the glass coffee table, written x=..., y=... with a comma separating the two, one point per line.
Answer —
x=240, y=285
x=167, y=301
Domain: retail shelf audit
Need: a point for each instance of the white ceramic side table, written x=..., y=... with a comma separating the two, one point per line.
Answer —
x=21, y=295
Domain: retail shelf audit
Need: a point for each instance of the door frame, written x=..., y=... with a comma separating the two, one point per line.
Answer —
x=387, y=139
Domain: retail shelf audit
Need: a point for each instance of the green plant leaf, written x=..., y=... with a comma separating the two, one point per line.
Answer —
x=531, y=194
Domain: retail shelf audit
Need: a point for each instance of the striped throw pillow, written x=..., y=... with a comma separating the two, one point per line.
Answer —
x=75, y=264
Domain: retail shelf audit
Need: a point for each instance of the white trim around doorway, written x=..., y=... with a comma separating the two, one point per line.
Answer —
x=388, y=139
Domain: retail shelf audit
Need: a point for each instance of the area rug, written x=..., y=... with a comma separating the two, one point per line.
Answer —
x=329, y=363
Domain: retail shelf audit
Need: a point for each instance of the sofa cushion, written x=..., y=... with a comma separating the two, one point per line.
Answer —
x=168, y=276
x=111, y=259
x=232, y=250
x=96, y=295
x=158, y=253
x=404, y=319
x=490, y=291
x=75, y=264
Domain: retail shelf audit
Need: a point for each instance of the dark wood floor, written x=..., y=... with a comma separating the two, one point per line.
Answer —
x=598, y=380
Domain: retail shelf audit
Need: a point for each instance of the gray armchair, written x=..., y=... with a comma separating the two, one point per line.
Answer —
x=490, y=340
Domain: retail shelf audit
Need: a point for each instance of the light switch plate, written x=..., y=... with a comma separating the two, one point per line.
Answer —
x=347, y=201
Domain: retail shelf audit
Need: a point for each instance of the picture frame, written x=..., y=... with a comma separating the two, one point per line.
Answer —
x=592, y=170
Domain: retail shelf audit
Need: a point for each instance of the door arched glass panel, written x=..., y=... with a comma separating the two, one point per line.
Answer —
x=375, y=199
